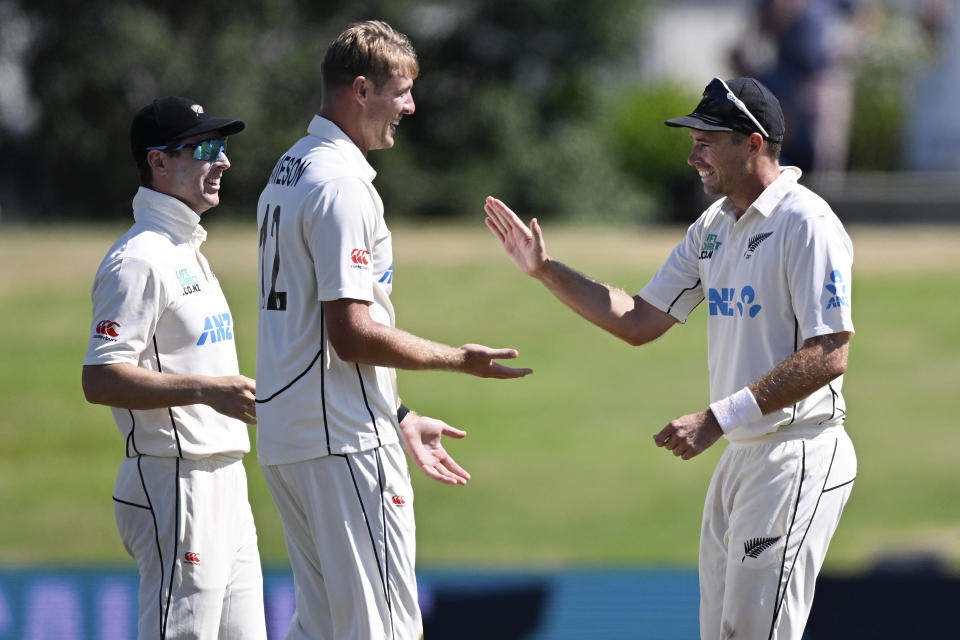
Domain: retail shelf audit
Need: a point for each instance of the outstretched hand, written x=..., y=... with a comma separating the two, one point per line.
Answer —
x=479, y=361
x=422, y=439
x=690, y=435
x=524, y=245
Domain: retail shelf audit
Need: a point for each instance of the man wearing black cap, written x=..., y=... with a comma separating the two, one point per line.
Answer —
x=162, y=357
x=773, y=263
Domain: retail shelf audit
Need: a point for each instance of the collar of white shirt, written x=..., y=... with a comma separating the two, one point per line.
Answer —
x=775, y=191
x=770, y=197
x=326, y=129
x=168, y=215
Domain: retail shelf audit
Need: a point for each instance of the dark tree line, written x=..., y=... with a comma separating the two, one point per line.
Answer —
x=527, y=100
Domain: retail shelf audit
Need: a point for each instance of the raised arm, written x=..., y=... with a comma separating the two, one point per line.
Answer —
x=130, y=387
x=630, y=318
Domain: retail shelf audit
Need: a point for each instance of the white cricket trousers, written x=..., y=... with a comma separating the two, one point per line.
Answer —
x=771, y=509
x=350, y=533
x=189, y=526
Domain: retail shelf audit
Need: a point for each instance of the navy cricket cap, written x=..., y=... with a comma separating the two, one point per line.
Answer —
x=168, y=120
x=718, y=111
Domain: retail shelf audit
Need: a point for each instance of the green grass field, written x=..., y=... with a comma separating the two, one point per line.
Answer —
x=564, y=469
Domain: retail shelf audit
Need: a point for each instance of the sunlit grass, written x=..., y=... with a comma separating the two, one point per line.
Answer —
x=564, y=469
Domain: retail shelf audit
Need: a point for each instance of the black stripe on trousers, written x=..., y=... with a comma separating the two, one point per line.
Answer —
x=384, y=574
x=781, y=597
x=164, y=610
x=131, y=504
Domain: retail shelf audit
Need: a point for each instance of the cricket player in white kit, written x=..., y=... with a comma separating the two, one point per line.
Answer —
x=330, y=418
x=773, y=263
x=162, y=356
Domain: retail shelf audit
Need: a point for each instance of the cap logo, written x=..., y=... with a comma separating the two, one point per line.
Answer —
x=197, y=109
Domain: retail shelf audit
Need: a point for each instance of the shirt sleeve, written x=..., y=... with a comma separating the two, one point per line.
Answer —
x=676, y=288
x=819, y=265
x=127, y=301
x=341, y=233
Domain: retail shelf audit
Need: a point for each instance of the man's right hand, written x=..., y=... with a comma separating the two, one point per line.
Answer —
x=479, y=361
x=524, y=246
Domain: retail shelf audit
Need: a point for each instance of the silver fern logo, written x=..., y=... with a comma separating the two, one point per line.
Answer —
x=755, y=546
x=754, y=242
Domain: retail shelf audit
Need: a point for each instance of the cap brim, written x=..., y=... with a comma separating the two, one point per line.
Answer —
x=223, y=125
x=693, y=122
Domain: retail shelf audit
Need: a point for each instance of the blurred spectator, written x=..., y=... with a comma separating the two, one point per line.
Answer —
x=799, y=50
x=906, y=74
x=931, y=135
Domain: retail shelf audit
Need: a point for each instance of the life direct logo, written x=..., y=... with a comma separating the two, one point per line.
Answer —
x=725, y=301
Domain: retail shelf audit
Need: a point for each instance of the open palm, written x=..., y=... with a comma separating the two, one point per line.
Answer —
x=524, y=245
x=423, y=439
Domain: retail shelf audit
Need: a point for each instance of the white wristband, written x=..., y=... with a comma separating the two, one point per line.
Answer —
x=736, y=410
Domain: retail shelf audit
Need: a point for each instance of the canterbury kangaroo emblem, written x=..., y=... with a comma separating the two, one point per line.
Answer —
x=755, y=546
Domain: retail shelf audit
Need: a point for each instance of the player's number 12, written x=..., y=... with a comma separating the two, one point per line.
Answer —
x=275, y=300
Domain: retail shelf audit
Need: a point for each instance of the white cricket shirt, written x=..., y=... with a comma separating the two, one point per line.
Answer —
x=322, y=238
x=157, y=305
x=774, y=278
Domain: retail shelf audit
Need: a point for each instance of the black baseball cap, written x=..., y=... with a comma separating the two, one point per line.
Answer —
x=168, y=120
x=718, y=109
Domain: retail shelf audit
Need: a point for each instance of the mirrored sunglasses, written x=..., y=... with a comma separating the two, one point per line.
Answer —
x=207, y=150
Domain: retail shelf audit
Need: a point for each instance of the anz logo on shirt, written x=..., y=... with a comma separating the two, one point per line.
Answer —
x=216, y=328
x=837, y=291
x=726, y=301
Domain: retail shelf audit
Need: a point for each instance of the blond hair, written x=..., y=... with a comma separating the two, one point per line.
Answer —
x=372, y=49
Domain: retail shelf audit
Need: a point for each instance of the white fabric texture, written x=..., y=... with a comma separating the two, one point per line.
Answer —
x=770, y=512
x=775, y=277
x=158, y=305
x=736, y=410
x=189, y=526
x=322, y=238
x=349, y=528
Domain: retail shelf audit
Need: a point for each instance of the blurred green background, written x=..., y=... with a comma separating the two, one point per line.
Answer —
x=555, y=105
x=564, y=469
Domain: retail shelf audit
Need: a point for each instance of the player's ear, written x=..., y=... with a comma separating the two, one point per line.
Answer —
x=756, y=143
x=359, y=88
x=158, y=161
